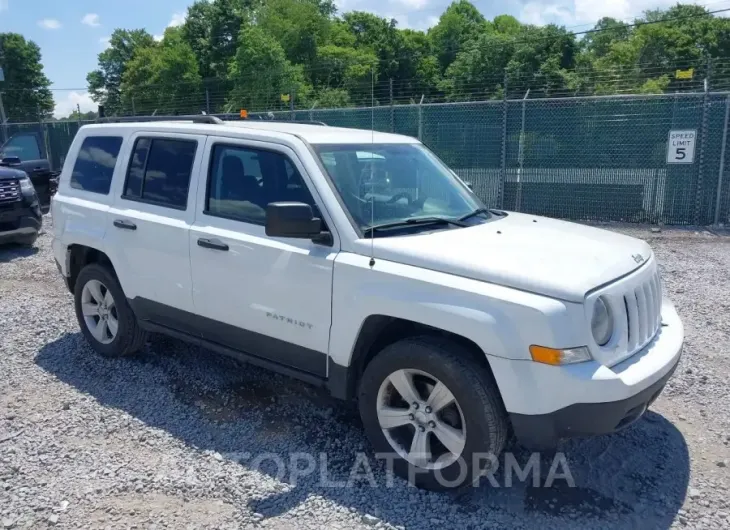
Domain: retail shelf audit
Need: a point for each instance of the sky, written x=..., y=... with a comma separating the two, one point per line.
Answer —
x=71, y=33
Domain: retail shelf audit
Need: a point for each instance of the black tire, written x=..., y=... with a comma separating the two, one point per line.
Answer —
x=472, y=386
x=130, y=337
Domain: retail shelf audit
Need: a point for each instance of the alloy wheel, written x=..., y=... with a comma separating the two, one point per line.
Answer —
x=100, y=312
x=421, y=419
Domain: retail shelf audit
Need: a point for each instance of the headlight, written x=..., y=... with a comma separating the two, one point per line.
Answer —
x=26, y=186
x=601, y=322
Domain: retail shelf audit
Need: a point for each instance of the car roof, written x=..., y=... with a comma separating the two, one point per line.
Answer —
x=314, y=134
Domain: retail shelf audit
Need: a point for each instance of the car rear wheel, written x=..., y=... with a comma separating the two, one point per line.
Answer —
x=104, y=315
x=432, y=411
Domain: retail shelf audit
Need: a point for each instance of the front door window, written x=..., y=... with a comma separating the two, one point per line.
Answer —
x=24, y=146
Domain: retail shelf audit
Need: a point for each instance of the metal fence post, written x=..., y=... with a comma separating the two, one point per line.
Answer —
x=722, y=162
x=3, y=120
x=703, y=141
x=43, y=132
x=292, y=94
x=503, y=170
x=311, y=111
x=521, y=155
x=207, y=101
x=420, y=119
x=392, y=109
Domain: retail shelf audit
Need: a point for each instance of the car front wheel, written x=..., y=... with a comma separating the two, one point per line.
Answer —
x=433, y=411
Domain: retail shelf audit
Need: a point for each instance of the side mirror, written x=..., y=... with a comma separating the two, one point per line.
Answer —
x=292, y=219
x=10, y=161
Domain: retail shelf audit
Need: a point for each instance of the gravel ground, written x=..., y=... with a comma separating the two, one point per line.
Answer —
x=158, y=441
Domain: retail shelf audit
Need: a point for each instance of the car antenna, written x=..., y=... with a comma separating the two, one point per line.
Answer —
x=372, y=168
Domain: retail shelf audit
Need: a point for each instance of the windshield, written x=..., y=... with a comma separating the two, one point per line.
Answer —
x=388, y=183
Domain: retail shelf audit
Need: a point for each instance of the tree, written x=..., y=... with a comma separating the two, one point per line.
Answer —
x=304, y=46
x=342, y=68
x=105, y=82
x=197, y=31
x=404, y=56
x=300, y=26
x=542, y=61
x=478, y=71
x=644, y=59
x=506, y=25
x=76, y=116
x=26, y=93
x=460, y=24
x=377, y=35
x=417, y=71
x=606, y=32
x=260, y=73
x=212, y=29
x=163, y=78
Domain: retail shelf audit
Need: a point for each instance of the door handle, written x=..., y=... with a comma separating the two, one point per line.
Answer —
x=125, y=225
x=214, y=244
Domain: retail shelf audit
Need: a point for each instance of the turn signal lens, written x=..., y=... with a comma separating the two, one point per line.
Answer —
x=542, y=354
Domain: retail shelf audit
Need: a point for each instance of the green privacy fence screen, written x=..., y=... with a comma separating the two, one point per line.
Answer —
x=589, y=159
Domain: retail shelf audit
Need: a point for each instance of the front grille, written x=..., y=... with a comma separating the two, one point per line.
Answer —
x=643, y=312
x=636, y=303
x=9, y=191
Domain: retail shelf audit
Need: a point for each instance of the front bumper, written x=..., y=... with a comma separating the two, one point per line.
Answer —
x=588, y=399
x=543, y=431
x=20, y=224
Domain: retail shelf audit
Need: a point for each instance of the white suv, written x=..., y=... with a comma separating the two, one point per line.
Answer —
x=358, y=261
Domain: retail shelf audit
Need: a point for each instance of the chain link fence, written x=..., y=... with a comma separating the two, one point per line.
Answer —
x=598, y=158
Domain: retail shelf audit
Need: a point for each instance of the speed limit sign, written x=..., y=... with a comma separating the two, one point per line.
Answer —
x=681, y=147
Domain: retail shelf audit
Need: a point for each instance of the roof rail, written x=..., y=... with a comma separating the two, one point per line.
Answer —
x=202, y=118
x=253, y=116
x=302, y=122
x=195, y=118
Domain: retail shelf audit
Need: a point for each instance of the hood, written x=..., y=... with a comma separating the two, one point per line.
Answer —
x=7, y=173
x=545, y=256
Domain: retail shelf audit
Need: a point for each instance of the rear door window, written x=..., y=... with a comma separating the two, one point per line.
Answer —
x=94, y=166
x=159, y=171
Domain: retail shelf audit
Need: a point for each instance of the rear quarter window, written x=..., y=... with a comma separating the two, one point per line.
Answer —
x=159, y=171
x=95, y=163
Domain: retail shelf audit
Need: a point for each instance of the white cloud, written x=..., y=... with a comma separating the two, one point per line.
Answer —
x=540, y=14
x=588, y=12
x=406, y=22
x=178, y=19
x=413, y=4
x=72, y=102
x=345, y=5
x=432, y=21
x=91, y=19
x=105, y=42
x=49, y=23
x=158, y=38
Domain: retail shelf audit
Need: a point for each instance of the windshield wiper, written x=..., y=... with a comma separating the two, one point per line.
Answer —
x=478, y=211
x=415, y=221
